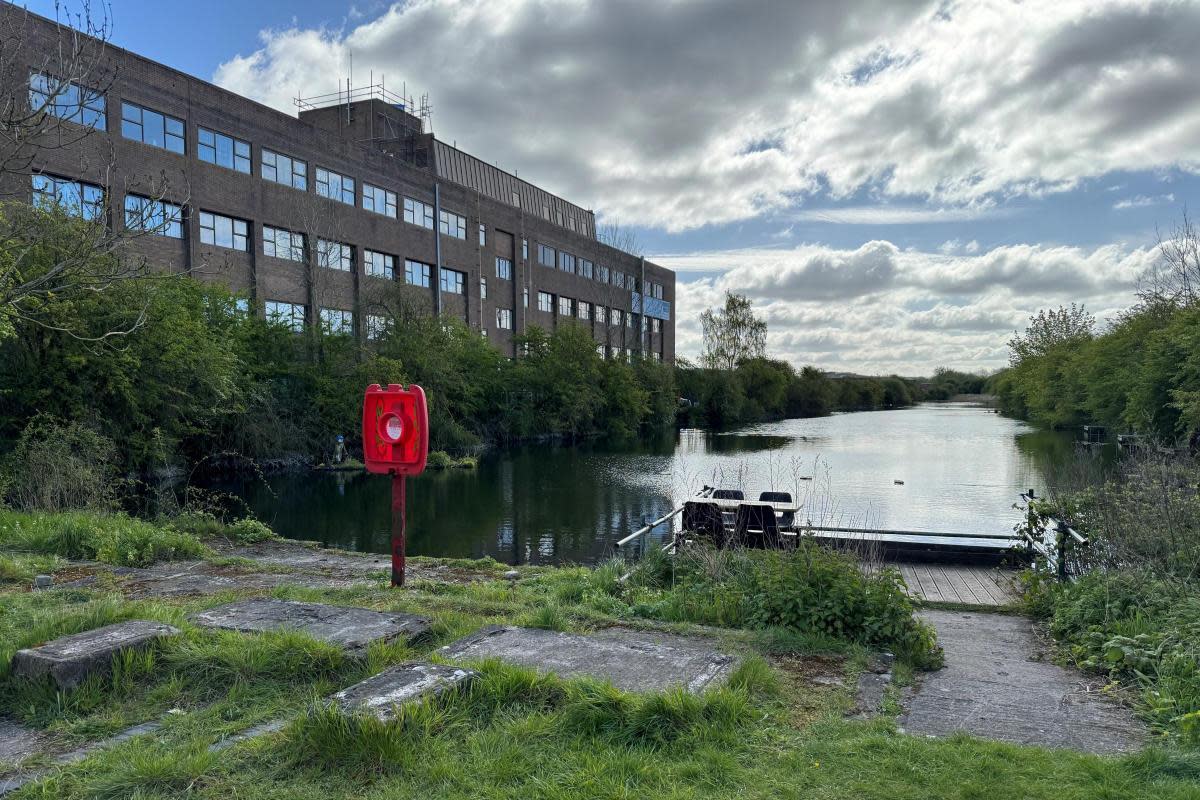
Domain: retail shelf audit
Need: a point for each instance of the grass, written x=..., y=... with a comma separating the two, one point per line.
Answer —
x=513, y=733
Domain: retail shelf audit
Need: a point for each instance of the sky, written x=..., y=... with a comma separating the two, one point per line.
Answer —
x=896, y=185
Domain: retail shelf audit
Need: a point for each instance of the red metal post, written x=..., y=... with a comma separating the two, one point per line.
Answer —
x=397, y=530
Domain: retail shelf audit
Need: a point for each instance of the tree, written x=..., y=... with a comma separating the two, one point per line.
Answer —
x=53, y=101
x=732, y=334
x=1175, y=279
x=1050, y=329
x=614, y=234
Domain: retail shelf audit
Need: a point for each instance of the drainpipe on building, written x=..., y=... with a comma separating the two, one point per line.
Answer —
x=437, y=238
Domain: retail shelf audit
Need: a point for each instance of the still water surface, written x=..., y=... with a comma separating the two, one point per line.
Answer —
x=961, y=468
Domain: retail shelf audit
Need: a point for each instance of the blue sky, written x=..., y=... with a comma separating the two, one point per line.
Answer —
x=891, y=197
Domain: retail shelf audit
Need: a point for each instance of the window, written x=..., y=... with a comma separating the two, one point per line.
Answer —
x=566, y=262
x=602, y=351
x=631, y=283
x=151, y=127
x=525, y=298
x=628, y=355
x=560, y=218
x=336, y=322
x=646, y=288
x=571, y=223
x=546, y=256
x=585, y=310
x=656, y=356
x=599, y=312
x=618, y=278
x=418, y=213
x=602, y=274
x=381, y=265
x=483, y=288
x=381, y=201
x=377, y=327
x=224, y=151
x=153, y=216
x=503, y=269
x=645, y=324
x=504, y=318
x=516, y=199
x=289, y=314
x=221, y=231
x=453, y=281
x=546, y=212
x=615, y=318
x=585, y=268
x=284, y=169
x=545, y=302
x=482, y=234
x=283, y=244
x=566, y=307
x=656, y=326
x=66, y=100
x=628, y=319
x=525, y=249
x=417, y=273
x=453, y=225
x=241, y=307
x=334, y=255
x=73, y=197
x=656, y=290
x=341, y=188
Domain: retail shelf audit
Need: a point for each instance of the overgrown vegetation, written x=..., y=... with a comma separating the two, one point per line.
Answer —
x=1134, y=614
x=1142, y=373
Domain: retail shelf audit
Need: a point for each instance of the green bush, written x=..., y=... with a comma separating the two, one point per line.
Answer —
x=1139, y=630
x=439, y=459
x=250, y=531
x=59, y=466
x=811, y=590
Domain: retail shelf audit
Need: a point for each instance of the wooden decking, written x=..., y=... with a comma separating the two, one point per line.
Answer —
x=953, y=583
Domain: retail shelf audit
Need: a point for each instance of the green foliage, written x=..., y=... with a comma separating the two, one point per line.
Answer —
x=59, y=466
x=1142, y=374
x=110, y=538
x=250, y=531
x=810, y=590
x=198, y=377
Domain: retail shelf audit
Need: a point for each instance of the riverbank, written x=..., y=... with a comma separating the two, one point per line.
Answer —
x=782, y=725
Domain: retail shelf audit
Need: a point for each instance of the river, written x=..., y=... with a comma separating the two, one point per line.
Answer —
x=939, y=467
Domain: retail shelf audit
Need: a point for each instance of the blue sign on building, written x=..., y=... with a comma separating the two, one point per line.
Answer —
x=658, y=309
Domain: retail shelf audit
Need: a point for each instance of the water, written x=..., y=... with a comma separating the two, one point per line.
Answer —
x=962, y=468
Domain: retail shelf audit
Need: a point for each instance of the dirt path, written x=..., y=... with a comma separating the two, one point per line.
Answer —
x=998, y=684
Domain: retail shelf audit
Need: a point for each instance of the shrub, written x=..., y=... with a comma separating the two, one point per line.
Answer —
x=59, y=466
x=811, y=590
x=250, y=531
x=439, y=459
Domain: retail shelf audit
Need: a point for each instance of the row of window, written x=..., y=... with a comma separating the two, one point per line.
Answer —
x=77, y=104
x=569, y=307
x=567, y=262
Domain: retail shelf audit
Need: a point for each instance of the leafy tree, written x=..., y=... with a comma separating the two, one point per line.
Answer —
x=1049, y=329
x=732, y=334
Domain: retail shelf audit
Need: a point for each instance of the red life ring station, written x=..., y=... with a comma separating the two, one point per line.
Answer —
x=395, y=432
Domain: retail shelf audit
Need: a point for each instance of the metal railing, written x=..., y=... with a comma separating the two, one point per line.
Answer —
x=1066, y=538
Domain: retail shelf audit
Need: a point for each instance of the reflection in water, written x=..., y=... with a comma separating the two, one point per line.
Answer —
x=961, y=466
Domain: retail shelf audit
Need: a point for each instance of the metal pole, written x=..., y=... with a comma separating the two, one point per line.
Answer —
x=398, y=542
x=437, y=239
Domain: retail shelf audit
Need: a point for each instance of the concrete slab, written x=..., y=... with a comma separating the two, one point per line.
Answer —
x=17, y=743
x=630, y=660
x=350, y=628
x=997, y=685
x=380, y=695
x=14, y=782
x=71, y=659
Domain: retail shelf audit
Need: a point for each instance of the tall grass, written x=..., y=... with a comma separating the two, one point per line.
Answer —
x=109, y=538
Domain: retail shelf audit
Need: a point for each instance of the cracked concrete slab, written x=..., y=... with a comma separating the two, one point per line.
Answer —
x=632, y=660
x=997, y=685
x=380, y=695
x=348, y=627
x=17, y=743
x=71, y=659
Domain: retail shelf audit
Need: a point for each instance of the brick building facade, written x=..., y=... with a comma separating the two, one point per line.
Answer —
x=315, y=218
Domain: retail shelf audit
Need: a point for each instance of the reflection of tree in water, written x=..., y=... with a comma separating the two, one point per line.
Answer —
x=1062, y=460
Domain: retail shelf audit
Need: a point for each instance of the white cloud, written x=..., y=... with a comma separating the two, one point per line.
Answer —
x=1143, y=201
x=678, y=115
x=877, y=308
